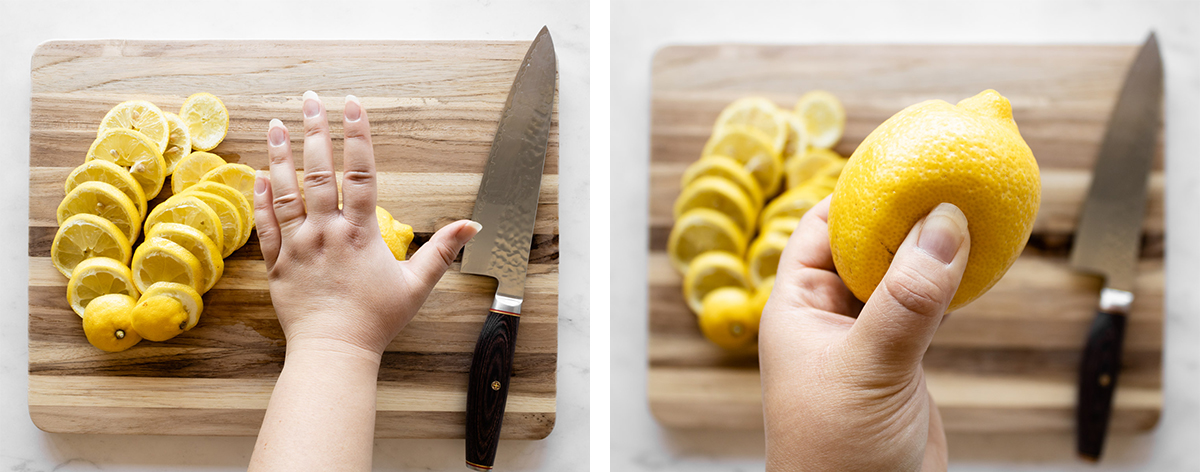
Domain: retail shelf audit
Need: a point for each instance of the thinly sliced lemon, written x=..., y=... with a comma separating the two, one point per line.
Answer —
x=179, y=144
x=758, y=113
x=196, y=243
x=103, y=171
x=84, y=236
x=784, y=225
x=105, y=201
x=719, y=194
x=231, y=221
x=794, y=203
x=192, y=168
x=135, y=152
x=762, y=293
x=797, y=135
x=710, y=271
x=166, y=310
x=95, y=277
x=753, y=150
x=802, y=168
x=824, y=117
x=108, y=322
x=160, y=260
x=726, y=167
x=763, y=257
x=141, y=116
x=238, y=176
x=207, y=120
x=244, y=207
x=702, y=230
x=191, y=211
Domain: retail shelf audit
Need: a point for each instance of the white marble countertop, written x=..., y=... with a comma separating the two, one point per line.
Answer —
x=25, y=24
x=640, y=28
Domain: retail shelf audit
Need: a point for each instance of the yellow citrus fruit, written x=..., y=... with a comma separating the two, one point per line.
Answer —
x=238, y=176
x=797, y=135
x=710, y=271
x=85, y=236
x=105, y=201
x=196, y=243
x=192, y=168
x=166, y=310
x=103, y=171
x=95, y=277
x=191, y=211
x=758, y=113
x=398, y=239
x=231, y=221
x=763, y=257
x=244, y=207
x=702, y=230
x=727, y=168
x=753, y=150
x=207, y=120
x=762, y=293
x=802, y=168
x=794, y=203
x=727, y=318
x=179, y=142
x=108, y=322
x=141, y=116
x=160, y=260
x=784, y=225
x=824, y=117
x=971, y=155
x=135, y=152
x=718, y=194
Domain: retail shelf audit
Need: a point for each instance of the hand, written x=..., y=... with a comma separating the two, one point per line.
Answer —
x=333, y=282
x=843, y=386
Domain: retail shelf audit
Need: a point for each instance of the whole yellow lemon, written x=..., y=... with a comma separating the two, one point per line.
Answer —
x=970, y=154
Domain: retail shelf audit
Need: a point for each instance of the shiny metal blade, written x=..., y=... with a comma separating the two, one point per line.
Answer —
x=508, y=195
x=1110, y=227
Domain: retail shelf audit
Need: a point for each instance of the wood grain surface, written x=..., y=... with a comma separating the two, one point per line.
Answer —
x=434, y=108
x=1007, y=362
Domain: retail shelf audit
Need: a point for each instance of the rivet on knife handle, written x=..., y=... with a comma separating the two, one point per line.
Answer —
x=487, y=388
x=1098, y=376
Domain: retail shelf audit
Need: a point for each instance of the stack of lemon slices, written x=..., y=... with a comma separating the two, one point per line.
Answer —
x=760, y=171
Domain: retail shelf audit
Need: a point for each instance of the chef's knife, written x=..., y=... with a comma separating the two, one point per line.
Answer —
x=1109, y=235
x=507, y=206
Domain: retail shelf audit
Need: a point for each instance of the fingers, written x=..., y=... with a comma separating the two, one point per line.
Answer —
x=320, y=181
x=435, y=256
x=264, y=220
x=899, y=320
x=358, y=164
x=809, y=244
x=285, y=191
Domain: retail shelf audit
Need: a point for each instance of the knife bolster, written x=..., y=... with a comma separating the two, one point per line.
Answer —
x=510, y=305
x=1115, y=301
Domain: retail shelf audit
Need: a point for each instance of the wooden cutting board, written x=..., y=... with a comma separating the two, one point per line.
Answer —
x=434, y=108
x=1007, y=362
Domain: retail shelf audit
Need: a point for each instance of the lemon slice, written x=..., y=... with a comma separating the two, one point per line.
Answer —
x=758, y=113
x=196, y=243
x=207, y=120
x=105, y=201
x=179, y=142
x=95, y=277
x=710, y=271
x=702, y=230
x=763, y=257
x=824, y=117
x=160, y=260
x=794, y=203
x=191, y=211
x=238, y=176
x=784, y=225
x=135, y=152
x=721, y=195
x=723, y=166
x=762, y=293
x=728, y=318
x=192, y=168
x=103, y=171
x=797, y=135
x=108, y=322
x=802, y=168
x=140, y=116
x=85, y=236
x=753, y=150
x=244, y=207
x=166, y=310
x=231, y=221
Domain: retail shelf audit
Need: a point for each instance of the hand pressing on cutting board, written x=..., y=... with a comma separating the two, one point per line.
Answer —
x=843, y=386
x=338, y=292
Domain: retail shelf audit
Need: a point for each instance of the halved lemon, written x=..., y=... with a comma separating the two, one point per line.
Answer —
x=758, y=113
x=702, y=230
x=141, y=116
x=196, y=243
x=179, y=142
x=231, y=222
x=103, y=171
x=797, y=135
x=710, y=271
x=105, y=201
x=191, y=211
x=763, y=256
x=207, y=120
x=726, y=167
x=824, y=117
x=719, y=194
x=95, y=277
x=135, y=152
x=794, y=203
x=166, y=310
x=238, y=176
x=160, y=260
x=84, y=236
x=753, y=150
x=192, y=168
x=800, y=169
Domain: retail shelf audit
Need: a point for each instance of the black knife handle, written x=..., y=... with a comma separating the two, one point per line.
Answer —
x=487, y=388
x=1097, y=381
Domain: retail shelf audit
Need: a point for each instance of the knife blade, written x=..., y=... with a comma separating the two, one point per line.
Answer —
x=506, y=206
x=1108, y=238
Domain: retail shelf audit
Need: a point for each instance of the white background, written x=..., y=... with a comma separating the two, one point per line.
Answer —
x=25, y=24
x=639, y=28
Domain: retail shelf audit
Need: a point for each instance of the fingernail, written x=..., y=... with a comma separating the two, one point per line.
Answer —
x=943, y=232
x=312, y=105
x=475, y=224
x=260, y=182
x=276, y=132
x=353, y=108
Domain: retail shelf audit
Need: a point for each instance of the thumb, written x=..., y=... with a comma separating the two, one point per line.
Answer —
x=898, y=322
x=435, y=256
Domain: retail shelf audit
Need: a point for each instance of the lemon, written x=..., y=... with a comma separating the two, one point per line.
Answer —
x=140, y=116
x=710, y=271
x=179, y=142
x=85, y=236
x=166, y=310
x=753, y=150
x=702, y=230
x=95, y=277
x=797, y=135
x=398, y=239
x=802, y=168
x=794, y=203
x=160, y=260
x=727, y=318
x=824, y=117
x=103, y=171
x=207, y=120
x=763, y=257
x=135, y=152
x=231, y=221
x=383, y=216
x=108, y=322
x=971, y=155
x=727, y=168
x=244, y=207
x=762, y=293
x=721, y=195
x=205, y=250
x=784, y=225
x=191, y=211
x=105, y=201
x=192, y=168
x=758, y=113
x=238, y=176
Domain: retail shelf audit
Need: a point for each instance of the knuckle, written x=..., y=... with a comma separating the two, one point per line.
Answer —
x=286, y=200
x=358, y=177
x=316, y=128
x=317, y=178
x=356, y=133
x=280, y=156
x=447, y=253
x=915, y=291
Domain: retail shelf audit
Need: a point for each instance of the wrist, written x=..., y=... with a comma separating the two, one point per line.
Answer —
x=332, y=348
